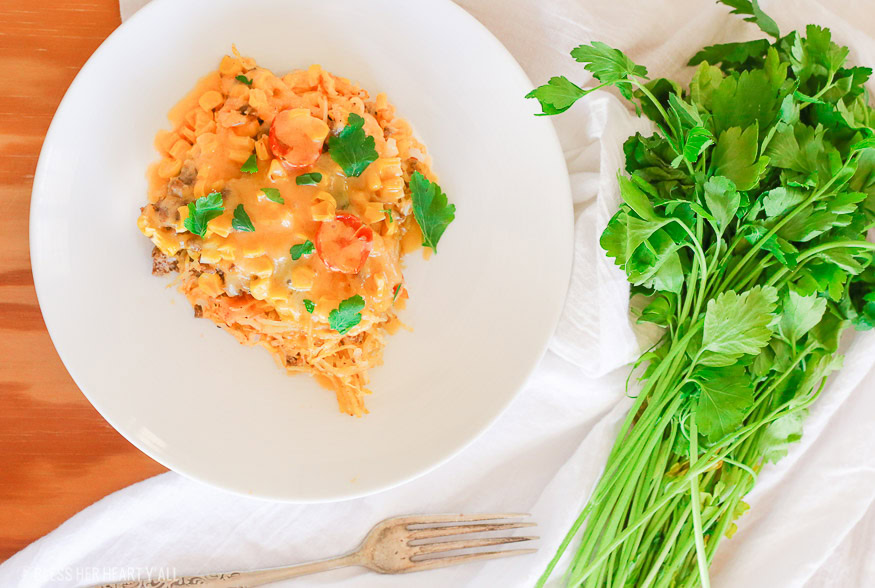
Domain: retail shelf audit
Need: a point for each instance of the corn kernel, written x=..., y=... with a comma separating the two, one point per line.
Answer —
x=210, y=284
x=248, y=129
x=259, y=288
x=167, y=241
x=182, y=211
x=228, y=251
x=412, y=239
x=253, y=250
x=209, y=252
x=210, y=127
x=220, y=225
x=302, y=278
x=261, y=148
x=322, y=211
x=180, y=149
x=389, y=167
x=373, y=212
x=200, y=188
x=324, y=306
x=188, y=134
x=144, y=224
x=276, y=169
x=165, y=140
x=230, y=66
x=392, y=190
x=278, y=295
x=372, y=178
x=169, y=168
x=258, y=100
x=190, y=117
x=210, y=100
x=260, y=266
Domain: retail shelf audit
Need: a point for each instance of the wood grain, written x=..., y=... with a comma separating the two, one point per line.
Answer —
x=57, y=454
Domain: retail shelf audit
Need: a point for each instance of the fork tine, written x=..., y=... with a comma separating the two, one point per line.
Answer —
x=461, y=518
x=466, y=544
x=432, y=532
x=442, y=562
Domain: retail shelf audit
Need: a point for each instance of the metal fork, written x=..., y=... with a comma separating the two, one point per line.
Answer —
x=394, y=546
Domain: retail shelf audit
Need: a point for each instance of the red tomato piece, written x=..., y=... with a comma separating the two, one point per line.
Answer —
x=296, y=138
x=344, y=243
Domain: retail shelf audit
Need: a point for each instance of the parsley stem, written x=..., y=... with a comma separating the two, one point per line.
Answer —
x=696, y=506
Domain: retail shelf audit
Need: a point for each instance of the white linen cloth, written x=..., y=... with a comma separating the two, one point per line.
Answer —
x=812, y=521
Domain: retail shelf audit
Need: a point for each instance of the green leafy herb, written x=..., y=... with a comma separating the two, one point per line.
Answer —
x=347, y=315
x=431, y=209
x=241, y=221
x=305, y=248
x=309, y=305
x=311, y=179
x=737, y=324
x=250, y=166
x=388, y=212
x=244, y=79
x=273, y=194
x=742, y=231
x=353, y=149
x=752, y=7
x=202, y=211
x=557, y=95
x=725, y=396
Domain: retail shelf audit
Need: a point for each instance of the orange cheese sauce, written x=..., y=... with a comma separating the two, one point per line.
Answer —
x=247, y=282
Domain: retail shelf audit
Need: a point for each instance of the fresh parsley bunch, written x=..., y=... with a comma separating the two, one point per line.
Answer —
x=743, y=224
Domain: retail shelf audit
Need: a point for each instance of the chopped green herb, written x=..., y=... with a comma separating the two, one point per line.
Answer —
x=430, y=208
x=396, y=293
x=310, y=179
x=273, y=195
x=353, y=149
x=309, y=305
x=202, y=211
x=305, y=248
x=241, y=221
x=347, y=315
x=244, y=79
x=388, y=212
x=250, y=166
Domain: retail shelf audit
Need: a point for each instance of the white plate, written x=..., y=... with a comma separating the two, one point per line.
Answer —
x=185, y=392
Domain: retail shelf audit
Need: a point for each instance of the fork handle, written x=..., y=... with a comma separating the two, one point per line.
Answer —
x=244, y=579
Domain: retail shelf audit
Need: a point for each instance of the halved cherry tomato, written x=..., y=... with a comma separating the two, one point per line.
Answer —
x=296, y=138
x=344, y=243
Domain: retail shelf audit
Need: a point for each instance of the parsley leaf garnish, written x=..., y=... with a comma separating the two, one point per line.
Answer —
x=353, y=149
x=347, y=315
x=309, y=305
x=244, y=79
x=305, y=248
x=241, y=220
x=250, y=166
x=202, y=211
x=273, y=194
x=310, y=179
x=431, y=209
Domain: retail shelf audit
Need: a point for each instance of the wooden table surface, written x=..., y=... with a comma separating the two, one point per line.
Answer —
x=57, y=454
